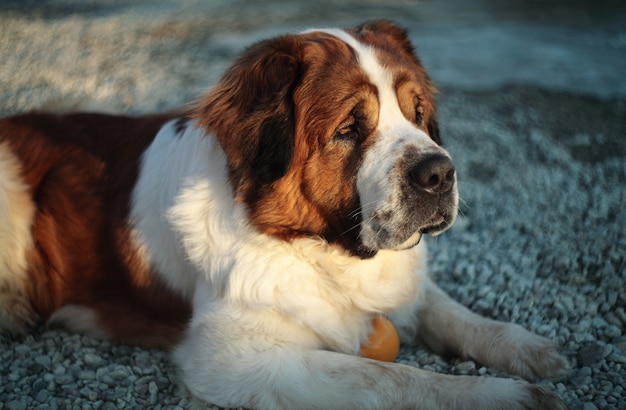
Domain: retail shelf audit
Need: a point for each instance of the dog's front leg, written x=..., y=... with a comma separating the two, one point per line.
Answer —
x=449, y=328
x=234, y=362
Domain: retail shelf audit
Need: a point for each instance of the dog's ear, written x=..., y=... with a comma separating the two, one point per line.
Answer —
x=250, y=111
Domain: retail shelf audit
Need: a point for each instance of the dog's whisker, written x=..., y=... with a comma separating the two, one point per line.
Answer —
x=355, y=226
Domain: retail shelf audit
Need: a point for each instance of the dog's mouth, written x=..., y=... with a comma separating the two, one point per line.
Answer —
x=437, y=223
x=408, y=236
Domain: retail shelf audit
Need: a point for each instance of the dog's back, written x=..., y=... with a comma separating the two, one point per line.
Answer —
x=65, y=189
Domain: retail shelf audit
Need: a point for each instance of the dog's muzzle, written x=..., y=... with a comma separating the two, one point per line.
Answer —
x=418, y=196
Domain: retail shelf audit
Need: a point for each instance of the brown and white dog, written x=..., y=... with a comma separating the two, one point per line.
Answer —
x=259, y=233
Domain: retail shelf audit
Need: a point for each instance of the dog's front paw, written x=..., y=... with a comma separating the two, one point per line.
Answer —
x=515, y=350
x=541, y=399
x=470, y=392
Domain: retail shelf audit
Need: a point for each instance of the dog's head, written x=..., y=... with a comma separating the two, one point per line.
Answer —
x=334, y=133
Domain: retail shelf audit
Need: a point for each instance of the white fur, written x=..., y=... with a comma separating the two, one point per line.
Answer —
x=187, y=158
x=16, y=217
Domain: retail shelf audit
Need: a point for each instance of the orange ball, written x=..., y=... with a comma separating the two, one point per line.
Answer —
x=383, y=343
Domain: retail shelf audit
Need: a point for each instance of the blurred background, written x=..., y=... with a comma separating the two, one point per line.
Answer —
x=577, y=45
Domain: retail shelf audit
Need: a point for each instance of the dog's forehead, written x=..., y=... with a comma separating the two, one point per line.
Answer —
x=382, y=59
x=339, y=33
x=365, y=54
x=380, y=74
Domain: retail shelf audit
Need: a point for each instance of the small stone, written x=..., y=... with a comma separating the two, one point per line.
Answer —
x=63, y=378
x=152, y=388
x=620, y=343
x=612, y=331
x=582, y=381
x=87, y=375
x=143, y=380
x=589, y=406
x=468, y=367
x=42, y=395
x=22, y=350
x=17, y=404
x=602, y=403
x=544, y=330
x=88, y=393
x=583, y=337
x=39, y=384
x=591, y=308
x=582, y=377
x=598, y=322
x=118, y=374
x=57, y=358
x=102, y=375
x=44, y=361
x=612, y=318
x=568, y=302
x=92, y=360
x=108, y=406
x=616, y=357
x=620, y=313
x=590, y=353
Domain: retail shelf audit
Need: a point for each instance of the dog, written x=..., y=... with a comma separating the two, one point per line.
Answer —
x=258, y=233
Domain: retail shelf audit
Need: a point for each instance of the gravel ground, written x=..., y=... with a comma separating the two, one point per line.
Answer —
x=541, y=240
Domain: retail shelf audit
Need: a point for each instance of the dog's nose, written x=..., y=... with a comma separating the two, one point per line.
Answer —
x=433, y=174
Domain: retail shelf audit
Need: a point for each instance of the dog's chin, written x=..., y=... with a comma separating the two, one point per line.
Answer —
x=365, y=252
x=436, y=224
x=412, y=241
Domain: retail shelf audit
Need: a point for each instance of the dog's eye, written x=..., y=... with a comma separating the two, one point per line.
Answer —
x=348, y=130
x=419, y=114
